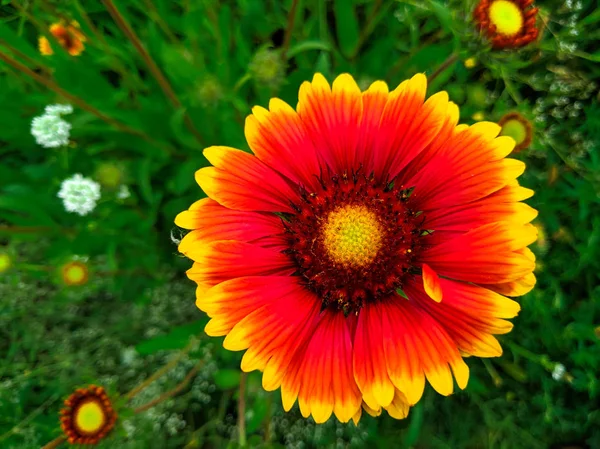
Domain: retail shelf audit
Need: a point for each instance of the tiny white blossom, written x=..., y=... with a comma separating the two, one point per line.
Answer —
x=79, y=194
x=559, y=372
x=123, y=192
x=50, y=131
x=59, y=109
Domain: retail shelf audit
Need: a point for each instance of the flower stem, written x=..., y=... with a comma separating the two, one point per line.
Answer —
x=55, y=443
x=152, y=66
x=165, y=369
x=168, y=394
x=289, y=29
x=443, y=66
x=242, y=411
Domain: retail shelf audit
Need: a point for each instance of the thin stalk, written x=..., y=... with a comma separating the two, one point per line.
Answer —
x=242, y=411
x=367, y=29
x=168, y=394
x=443, y=66
x=288, y=30
x=55, y=443
x=152, y=66
x=51, y=85
x=165, y=369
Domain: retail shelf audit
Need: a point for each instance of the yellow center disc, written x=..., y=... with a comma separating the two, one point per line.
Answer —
x=352, y=235
x=515, y=129
x=507, y=17
x=90, y=417
x=75, y=273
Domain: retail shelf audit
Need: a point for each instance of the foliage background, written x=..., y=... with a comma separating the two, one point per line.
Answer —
x=137, y=312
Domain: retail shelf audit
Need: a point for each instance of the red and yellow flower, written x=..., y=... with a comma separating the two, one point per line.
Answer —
x=368, y=244
x=88, y=416
x=74, y=273
x=519, y=128
x=507, y=23
x=68, y=36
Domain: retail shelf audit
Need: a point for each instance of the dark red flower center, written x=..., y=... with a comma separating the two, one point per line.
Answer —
x=355, y=240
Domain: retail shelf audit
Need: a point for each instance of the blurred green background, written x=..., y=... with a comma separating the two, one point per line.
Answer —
x=141, y=120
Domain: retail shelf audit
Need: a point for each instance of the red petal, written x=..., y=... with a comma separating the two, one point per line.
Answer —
x=332, y=115
x=431, y=283
x=279, y=138
x=241, y=181
x=320, y=375
x=369, y=363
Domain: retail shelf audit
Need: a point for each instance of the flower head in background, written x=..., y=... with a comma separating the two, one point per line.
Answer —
x=110, y=174
x=123, y=193
x=88, y=416
x=507, y=23
x=519, y=128
x=367, y=245
x=68, y=36
x=267, y=67
x=74, y=273
x=50, y=130
x=58, y=109
x=79, y=194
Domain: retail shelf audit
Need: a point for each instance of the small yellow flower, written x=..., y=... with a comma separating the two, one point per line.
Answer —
x=68, y=36
x=470, y=63
x=110, y=175
x=478, y=116
x=88, y=416
x=74, y=273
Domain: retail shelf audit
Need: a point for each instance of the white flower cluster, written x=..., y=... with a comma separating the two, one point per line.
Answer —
x=79, y=194
x=559, y=372
x=49, y=129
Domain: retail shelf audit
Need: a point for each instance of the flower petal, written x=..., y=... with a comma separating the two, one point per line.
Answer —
x=399, y=407
x=518, y=287
x=431, y=283
x=417, y=346
x=221, y=260
x=471, y=315
x=486, y=255
x=285, y=317
x=210, y=221
x=332, y=116
x=407, y=126
x=320, y=375
x=374, y=100
x=369, y=362
x=279, y=138
x=241, y=181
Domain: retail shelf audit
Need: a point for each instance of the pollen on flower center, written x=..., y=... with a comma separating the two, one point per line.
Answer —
x=506, y=16
x=352, y=235
x=90, y=417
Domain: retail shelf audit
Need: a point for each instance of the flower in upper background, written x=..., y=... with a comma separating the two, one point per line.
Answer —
x=5, y=262
x=79, y=194
x=69, y=37
x=519, y=128
x=507, y=23
x=58, y=109
x=210, y=92
x=123, y=193
x=267, y=67
x=366, y=246
x=50, y=130
x=88, y=416
x=110, y=175
x=74, y=273
x=470, y=63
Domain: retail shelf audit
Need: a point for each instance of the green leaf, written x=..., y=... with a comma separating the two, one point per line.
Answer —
x=226, y=379
x=178, y=338
x=346, y=26
x=307, y=46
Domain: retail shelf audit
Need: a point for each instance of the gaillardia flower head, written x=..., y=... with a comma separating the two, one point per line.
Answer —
x=519, y=128
x=68, y=36
x=88, y=416
x=366, y=246
x=507, y=23
x=74, y=273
